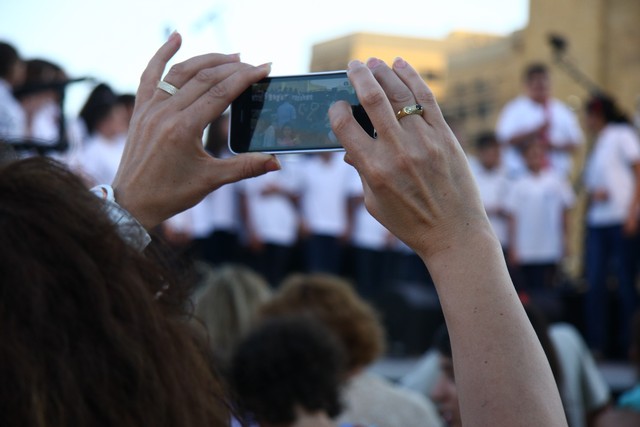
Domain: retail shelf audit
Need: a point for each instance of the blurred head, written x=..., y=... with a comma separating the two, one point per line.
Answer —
x=128, y=101
x=12, y=68
x=537, y=82
x=34, y=93
x=103, y=114
x=333, y=301
x=601, y=110
x=534, y=155
x=444, y=393
x=228, y=307
x=84, y=339
x=488, y=150
x=289, y=365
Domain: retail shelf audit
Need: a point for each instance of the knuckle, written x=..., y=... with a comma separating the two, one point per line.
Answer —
x=218, y=92
x=339, y=123
x=206, y=75
x=401, y=97
x=177, y=70
x=374, y=98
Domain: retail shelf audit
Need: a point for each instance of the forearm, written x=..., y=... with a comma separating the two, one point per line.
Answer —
x=494, y=346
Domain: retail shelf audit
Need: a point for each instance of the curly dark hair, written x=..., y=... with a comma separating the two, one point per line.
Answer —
x=84, y=340
x=288, y=362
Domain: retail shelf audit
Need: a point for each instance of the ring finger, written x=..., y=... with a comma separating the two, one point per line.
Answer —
x=397, y=92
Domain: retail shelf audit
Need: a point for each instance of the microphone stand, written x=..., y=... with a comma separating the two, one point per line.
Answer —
x=559, y=46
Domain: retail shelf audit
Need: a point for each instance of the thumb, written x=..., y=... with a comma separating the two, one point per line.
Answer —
x=242, y=166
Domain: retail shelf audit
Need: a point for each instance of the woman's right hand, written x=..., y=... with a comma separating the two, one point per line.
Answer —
x=415, y=174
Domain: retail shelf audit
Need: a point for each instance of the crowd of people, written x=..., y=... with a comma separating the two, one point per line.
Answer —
x=249, y=355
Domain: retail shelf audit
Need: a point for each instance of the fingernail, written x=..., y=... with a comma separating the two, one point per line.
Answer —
x=173, y=35
x=266, y=66
x=400, y=63
x=235, y=55
x=354, y=63
x=273, y=164
x=373, y=63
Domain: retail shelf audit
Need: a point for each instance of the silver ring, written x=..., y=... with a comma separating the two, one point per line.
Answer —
x=167, y=87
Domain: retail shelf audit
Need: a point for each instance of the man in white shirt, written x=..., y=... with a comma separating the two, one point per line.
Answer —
x=324, y=193
x=268, y=208
x=536, y=114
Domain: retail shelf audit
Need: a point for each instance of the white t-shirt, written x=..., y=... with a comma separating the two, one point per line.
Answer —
x=324, y=191
x=367, y=232
x=370, y=399
x=610, y=168
x=537, y=203
x=274, y=217
x=523, y=115
x=99, y=158
x=493, y=186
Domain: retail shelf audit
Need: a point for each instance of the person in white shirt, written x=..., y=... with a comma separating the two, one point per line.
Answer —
x=106, y=122
x=493, y=182
x=271, y=221
x=537, y=114
x=371, y=243
x=13, y=125
x=537, y=205
x=612, y=181
x=325, y=223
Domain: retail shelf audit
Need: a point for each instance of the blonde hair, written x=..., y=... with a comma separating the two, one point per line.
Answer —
x=228, y=307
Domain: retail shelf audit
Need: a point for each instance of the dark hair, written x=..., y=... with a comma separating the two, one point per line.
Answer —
x=605, y=106
x=534, y=69
x=286, y=362
x=8, y=58
x=84, y=341
x=126, y=99
x=486, y=139
x=98, y=106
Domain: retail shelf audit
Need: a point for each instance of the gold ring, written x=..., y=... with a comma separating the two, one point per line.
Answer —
x=167, y=87
x=409, y=110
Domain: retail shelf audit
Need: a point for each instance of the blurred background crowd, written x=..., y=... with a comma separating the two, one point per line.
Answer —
x=559, y=178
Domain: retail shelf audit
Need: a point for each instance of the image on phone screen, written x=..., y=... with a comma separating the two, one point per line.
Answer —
x=290, y=114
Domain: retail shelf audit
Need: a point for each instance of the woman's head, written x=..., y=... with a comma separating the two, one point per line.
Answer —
x=602, y=109
x=333, y=301
x=229, y=305
x=445, y=393
x=84, y=339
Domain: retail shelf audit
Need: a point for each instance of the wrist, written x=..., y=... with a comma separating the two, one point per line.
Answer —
x=128, y=227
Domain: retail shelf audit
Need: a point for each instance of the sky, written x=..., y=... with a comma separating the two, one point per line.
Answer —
x=112, y=41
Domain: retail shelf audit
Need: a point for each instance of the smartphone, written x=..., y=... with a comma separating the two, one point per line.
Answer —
x=289, y=114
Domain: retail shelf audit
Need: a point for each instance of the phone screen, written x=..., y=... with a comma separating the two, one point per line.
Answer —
x=289, y=114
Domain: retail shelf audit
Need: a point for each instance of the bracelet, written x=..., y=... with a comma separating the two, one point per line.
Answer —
x=129, y=229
